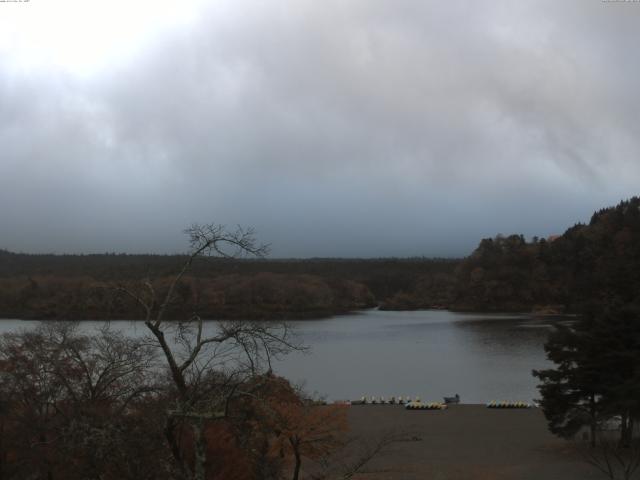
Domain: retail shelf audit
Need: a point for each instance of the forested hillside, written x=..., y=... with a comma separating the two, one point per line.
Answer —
x=598, y=262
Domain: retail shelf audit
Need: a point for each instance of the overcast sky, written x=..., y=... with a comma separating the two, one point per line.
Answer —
x=335, y=127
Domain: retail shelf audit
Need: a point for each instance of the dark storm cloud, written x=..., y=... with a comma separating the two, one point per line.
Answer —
x=337, y=128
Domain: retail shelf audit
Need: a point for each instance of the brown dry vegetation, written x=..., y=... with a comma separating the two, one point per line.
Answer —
x=82, y=287
x=264, y=295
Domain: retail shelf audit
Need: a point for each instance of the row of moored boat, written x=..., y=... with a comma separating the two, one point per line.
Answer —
x=417, y=404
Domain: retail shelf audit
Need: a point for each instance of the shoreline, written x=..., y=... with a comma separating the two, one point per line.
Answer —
x=299, y=316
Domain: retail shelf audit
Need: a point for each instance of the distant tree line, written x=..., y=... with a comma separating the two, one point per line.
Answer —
x=505, y=273
x=78, y=286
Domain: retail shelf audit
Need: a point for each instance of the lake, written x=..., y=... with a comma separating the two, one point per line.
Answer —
x=426, y=353
x=429, y=353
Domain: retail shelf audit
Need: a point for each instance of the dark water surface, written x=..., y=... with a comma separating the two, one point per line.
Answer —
x=428, y=353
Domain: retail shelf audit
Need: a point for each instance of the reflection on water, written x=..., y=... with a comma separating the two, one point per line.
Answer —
x=425, y=353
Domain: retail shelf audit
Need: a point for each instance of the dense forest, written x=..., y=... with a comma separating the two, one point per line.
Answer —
x=597, y=262
x=86, y=286
x=506, y=273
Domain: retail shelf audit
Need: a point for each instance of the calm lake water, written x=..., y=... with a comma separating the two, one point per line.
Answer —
x=425, y=353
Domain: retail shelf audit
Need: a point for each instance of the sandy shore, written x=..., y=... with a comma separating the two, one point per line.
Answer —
x=468, y=442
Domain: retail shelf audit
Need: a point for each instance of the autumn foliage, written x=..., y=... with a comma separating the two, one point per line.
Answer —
x=293, y=427
x=78, y=286
x=78, y=406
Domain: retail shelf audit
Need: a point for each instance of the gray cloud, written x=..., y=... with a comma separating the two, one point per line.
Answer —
x=358, y=128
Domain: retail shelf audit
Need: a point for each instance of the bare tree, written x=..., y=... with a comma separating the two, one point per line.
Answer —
x=208, y=364
x=72, y=401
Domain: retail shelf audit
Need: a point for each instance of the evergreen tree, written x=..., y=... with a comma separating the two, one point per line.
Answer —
x=618, y=332
x=572, y=392
x=597, y=373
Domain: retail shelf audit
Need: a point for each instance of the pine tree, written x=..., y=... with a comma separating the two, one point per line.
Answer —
x=572, y=392
x=597, y=373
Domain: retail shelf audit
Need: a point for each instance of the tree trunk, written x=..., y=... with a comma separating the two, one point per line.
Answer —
x=296, y=453
x=200, y=450
x=625, y=437
x=170, y=434
x=2, y=455
x=593, y=426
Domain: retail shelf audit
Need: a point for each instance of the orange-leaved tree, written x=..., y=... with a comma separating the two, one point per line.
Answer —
x=297, y=426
